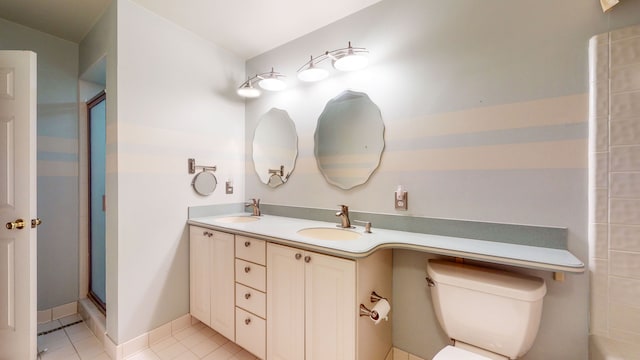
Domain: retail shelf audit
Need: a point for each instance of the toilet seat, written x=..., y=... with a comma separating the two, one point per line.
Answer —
x=454, y=353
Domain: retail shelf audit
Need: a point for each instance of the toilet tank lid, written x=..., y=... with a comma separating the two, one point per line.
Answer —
x=487, y=280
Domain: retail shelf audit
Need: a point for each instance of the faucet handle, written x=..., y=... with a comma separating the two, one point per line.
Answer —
x=367, y=225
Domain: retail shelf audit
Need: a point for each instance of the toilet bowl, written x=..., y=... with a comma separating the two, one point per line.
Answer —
x=487, y=313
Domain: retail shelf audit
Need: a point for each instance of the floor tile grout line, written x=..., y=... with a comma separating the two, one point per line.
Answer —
x=72, y=344
x=59, y=328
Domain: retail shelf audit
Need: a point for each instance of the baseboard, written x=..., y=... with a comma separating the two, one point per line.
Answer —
x=397, y=354
x=58, y=312
x=96, y=322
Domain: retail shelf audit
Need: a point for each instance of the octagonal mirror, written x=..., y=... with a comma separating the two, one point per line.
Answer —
x=275, y=147
x=349, y=139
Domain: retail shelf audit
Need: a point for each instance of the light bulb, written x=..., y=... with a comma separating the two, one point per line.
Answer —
x=351, y=62
x=272, y=84
x=248, y=91
x=312, y=73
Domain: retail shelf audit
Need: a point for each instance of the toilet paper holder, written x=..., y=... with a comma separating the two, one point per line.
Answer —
x=373, y=314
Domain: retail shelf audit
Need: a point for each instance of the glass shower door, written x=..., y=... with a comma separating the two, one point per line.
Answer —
x=97, y=170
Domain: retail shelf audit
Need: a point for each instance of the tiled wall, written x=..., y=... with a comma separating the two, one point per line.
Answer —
x=614, y=209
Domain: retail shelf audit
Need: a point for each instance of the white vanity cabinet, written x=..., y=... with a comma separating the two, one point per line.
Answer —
x=211, y=280
x=284, y=303
x=311, y=305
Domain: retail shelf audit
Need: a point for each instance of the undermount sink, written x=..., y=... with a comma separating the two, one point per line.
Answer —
x=237, y=219
x=323, y=233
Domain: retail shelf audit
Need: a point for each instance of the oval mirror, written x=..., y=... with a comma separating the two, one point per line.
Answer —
x=204, y=183
x=349, y=139
x=275, y=147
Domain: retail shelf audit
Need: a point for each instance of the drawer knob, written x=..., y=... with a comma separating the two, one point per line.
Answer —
x=247, y=269
x=307, y=259
x=247, y=296
x=247, y=243
x=298, y=256
x=247, y=321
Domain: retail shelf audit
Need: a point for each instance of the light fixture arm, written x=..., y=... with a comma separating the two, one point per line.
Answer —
x=265, y=75
x=333, y=55
x=313, y=61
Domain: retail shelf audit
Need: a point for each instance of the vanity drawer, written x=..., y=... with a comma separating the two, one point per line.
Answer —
x=250, y=249
x=251, y=300
x=251, y=333
x=252, y=275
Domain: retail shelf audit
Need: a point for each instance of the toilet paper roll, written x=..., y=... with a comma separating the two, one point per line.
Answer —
x=380, y=311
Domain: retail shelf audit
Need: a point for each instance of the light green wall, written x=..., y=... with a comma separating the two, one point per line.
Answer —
x=57, y=160
x=485, y=106
x=172, y=104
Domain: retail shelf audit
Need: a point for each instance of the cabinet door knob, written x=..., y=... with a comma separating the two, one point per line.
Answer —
x=247, y=269
x=247, y=321
x=307, y=259
x=247, y=296
x=298, y=256
x=247, y=243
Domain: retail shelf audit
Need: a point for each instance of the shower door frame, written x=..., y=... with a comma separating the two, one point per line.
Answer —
x=100, y=304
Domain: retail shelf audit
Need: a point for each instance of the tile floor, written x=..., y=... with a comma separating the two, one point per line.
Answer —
x=194, y=342
x=74, y=342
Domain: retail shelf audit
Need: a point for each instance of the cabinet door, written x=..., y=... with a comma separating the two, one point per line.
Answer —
x=199, y=274
x=330, y=307
x=222, y=262
x=285, y=303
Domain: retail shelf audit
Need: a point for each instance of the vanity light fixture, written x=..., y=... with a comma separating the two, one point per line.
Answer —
x=309, y=72
x=345, y=59
x=269, y=81
x=247, y=90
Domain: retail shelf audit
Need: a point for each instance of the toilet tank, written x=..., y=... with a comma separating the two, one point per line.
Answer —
x=492, y=309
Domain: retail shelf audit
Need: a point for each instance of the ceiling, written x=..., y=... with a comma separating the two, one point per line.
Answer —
x=245, y=27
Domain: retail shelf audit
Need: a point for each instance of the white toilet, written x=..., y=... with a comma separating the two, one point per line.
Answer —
x=487, y=313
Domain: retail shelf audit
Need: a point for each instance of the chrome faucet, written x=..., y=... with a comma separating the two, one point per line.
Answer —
x=255, y=203
x=344, y=217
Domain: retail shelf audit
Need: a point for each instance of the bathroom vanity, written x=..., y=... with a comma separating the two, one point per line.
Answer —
x=285, y=302
x=290, y=289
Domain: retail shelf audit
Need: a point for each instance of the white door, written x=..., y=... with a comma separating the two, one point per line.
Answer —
x=17, y=201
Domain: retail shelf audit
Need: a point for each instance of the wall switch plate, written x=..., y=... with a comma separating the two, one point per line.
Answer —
x=228, y=187
x=401, y=200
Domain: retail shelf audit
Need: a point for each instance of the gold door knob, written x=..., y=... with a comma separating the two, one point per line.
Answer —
x=18, y=224
x=35, y=222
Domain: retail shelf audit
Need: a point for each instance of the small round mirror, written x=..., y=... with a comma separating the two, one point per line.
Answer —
x=204, y=183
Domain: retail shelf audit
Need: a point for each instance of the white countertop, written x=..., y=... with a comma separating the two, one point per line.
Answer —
x=283, y=230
